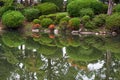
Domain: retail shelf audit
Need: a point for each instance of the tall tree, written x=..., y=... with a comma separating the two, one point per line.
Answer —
x=110, y=7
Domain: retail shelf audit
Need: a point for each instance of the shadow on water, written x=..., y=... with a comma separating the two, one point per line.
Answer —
x=59, y=57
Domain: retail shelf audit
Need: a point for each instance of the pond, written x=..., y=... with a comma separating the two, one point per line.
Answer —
x=40, y=56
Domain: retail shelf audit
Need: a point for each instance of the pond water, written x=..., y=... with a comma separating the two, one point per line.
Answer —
x=35, y=56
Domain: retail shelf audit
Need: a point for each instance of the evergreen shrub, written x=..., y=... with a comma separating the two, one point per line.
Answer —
x=12, y=19
x=46, y=22
x=74, y=23
x=86, y=11
x=47, y=8
x=36, y=21
x=31, y=13
x=100, y=20
x=113, y=21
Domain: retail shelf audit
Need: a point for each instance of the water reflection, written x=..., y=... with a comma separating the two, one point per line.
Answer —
x=62, y=57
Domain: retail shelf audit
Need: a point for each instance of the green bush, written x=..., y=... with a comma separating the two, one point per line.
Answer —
x=74, y=23
x=75, y=6
x=4, y=9
x=113, y=21
x=59, y=3
x=90, y=25
x=117, y=8
x=66, y=18
x=36, y=21
x=51, y=16
x=42, y=17
x=60, y=16
x=46, y=22
x=31, y=13
x=86, y=11
x=85, y=19
x=12, y=19
x=100, y=20
x=47, y=8
x=98, y=7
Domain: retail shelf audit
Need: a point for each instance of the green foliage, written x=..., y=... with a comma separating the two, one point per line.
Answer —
x=117, y=8
x=8, y=5
x=86, y=11
x=59, y=3
x=66, y=18
x=31, y=13
x=98, y=7
x=90, y=25
x=82, y=54
x=12, y=39
x=51, y=16
x=36, y=21
x=60, y=16
x=47, y=8
x=113, y=21
x=85, y=19
x=75, y=6
x=19, y=6
x=12, y=19
x=47, y=50
x=46, y=22
x=42, y=17
x=100, y=20
x=74, y=23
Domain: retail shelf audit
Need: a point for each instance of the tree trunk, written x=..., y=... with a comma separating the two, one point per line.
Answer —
x=110, y=7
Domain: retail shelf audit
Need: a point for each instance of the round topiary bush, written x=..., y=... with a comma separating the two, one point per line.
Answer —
x=100, y=20
x=86, y=11
x=36, y=21
x=47, y=8
x=12, y=19
x=46, y=22
x=31, y=13
x=113, y=21
x=60, y=16
x=66, y=18
x=74, y=23
x=85, y=19
x=75, y=6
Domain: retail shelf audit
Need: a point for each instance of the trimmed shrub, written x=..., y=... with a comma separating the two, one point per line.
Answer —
x=90, y=25
x=60, y=16
x=47, y=8
x=75, y=6
x=66, y=18
x=85, y=19
x=46, y=22
x=12, y=19
x=86, y=11
x=59, y=3
x=74, y=23
x=117, y=8
x=36, y=21
x=100, y=20
x=42, y=17
x=51, y=16
x=98, y=7
x=31, y=13
x=113, y=21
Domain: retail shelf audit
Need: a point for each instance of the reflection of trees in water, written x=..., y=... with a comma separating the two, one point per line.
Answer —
x=53, y=65
x=12, y=39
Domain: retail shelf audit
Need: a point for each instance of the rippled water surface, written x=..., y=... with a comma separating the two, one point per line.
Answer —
x=59, y=57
